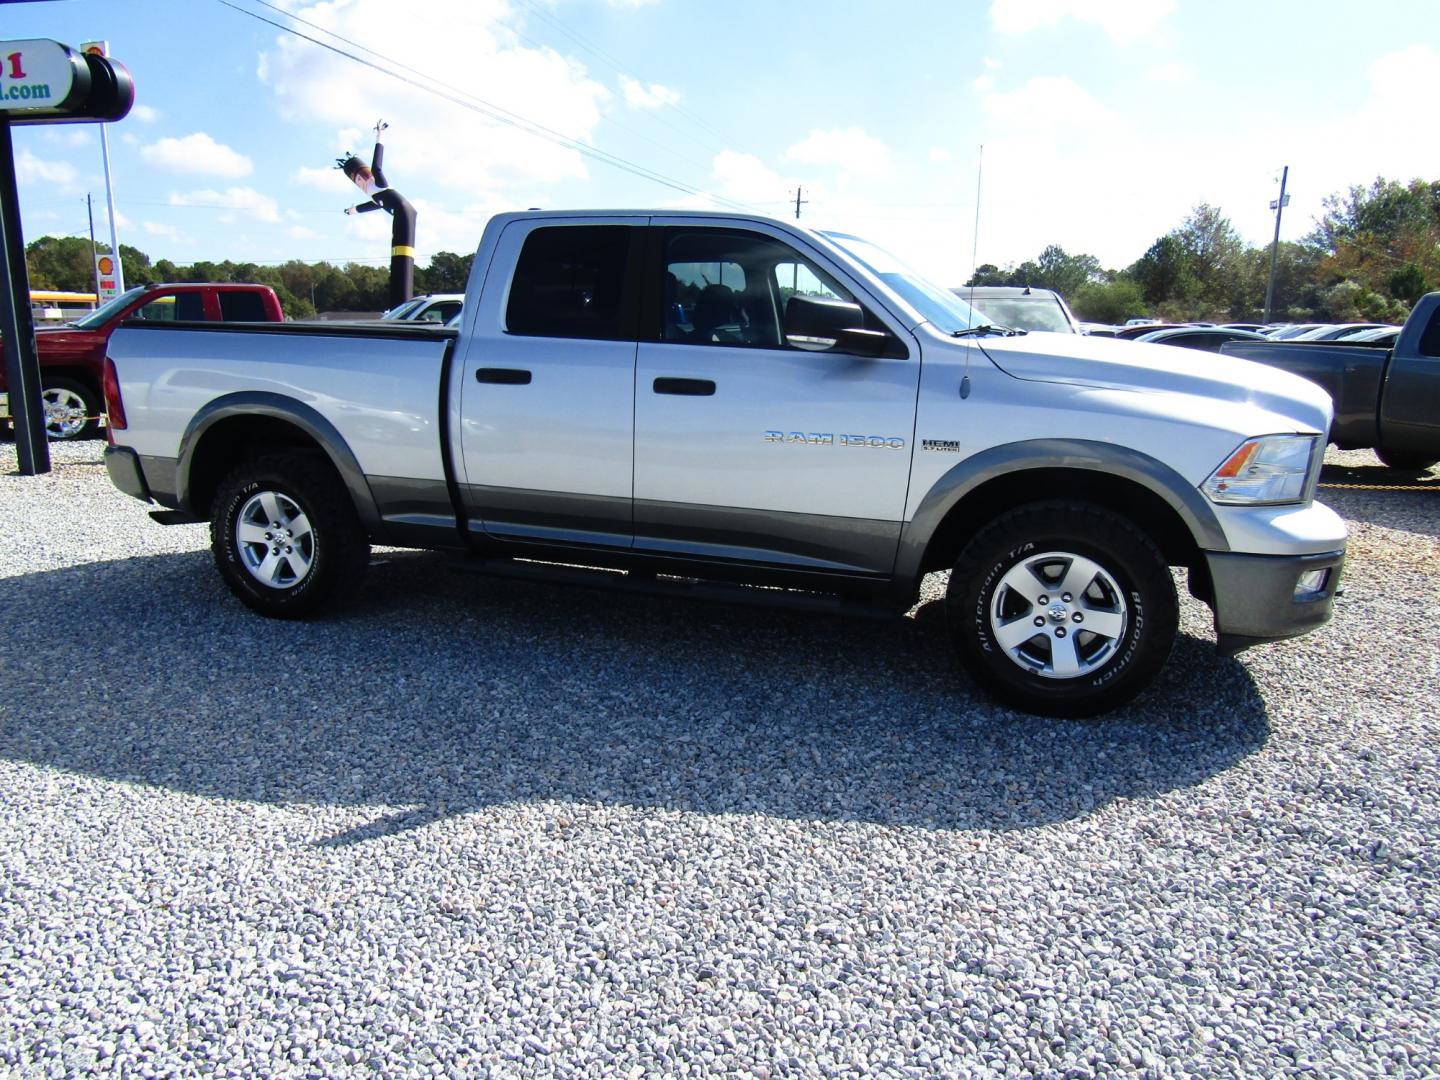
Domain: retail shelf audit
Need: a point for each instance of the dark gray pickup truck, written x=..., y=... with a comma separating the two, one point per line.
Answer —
x=1385, y=399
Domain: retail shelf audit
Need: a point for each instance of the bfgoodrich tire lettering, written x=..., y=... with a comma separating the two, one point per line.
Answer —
x=1062, y=608
x=285, y=536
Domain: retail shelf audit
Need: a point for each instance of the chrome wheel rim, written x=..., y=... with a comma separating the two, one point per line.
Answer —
x=274, y=540
x=64, y=412
x=1059, y=615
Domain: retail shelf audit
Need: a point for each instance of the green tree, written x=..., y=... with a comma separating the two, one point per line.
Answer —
x=61, y=262
x=447, y=272
x=1109, y=301
x=1385, y=237
x=1164, y=272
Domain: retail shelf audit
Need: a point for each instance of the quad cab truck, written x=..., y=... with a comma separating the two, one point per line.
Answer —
x=725, y=404
x=72, y=357
x=1387, y=400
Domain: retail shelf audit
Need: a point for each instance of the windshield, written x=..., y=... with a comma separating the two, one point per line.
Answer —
x=399, y=311
x=1026, y=313
x=108, y=310
x=946, y=311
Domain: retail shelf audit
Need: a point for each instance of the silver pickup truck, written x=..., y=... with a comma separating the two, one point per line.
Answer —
x=729, y=403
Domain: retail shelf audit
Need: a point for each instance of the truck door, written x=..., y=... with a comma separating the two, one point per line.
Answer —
x=547, y=406
x=756, y=446
x=1410, y=402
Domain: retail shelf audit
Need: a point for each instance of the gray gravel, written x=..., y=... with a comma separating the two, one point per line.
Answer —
x=482, y=828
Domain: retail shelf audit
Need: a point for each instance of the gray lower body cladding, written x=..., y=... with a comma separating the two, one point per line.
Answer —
x=1257, y=598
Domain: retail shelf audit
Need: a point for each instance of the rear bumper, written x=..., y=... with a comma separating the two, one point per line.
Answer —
x=1259, y=598
x=123, y=465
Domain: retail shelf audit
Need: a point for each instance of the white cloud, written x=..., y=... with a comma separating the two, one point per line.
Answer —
x=1123, y=20
x=197, y=153
x=146, y=114
x=331, y=180
x=302, y=232
x=985, y=84
x=161, y=229
x=433, y=144
x=60, y=176
x=71, y=137
x=1171, y=74
x=848, y=149
x=640, y=96
x=233, y=204
x=940, y=154
x=991, y=64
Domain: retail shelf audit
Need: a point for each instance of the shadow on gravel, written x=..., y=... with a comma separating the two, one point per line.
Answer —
x=442, y=693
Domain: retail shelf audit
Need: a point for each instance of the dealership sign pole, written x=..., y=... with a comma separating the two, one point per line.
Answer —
x=41, y=82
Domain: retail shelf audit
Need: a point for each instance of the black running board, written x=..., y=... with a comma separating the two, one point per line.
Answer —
x=667, y=585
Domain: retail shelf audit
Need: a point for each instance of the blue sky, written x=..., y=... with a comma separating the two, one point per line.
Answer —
x=1103, y=121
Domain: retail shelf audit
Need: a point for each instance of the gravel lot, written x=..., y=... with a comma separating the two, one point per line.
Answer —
x=473, y=827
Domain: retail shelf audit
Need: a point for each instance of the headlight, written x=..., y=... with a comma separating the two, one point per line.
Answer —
x=1268, y=470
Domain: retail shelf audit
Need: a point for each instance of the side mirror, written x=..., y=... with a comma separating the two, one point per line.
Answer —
x=818, y=324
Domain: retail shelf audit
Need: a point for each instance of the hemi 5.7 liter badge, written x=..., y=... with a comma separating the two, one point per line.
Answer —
x=828, y=438
x=951, y=446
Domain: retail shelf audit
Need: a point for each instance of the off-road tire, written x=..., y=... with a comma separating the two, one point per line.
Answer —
x=313, y=555
x=1068, y=666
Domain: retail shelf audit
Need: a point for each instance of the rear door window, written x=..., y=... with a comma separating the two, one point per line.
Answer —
x=241, y=307
x=574, y=281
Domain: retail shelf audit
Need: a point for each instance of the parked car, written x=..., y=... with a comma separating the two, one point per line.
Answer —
x=1335, y=331
x=1258, y=328
x=1130, y=333
x=1208, y=338
x=1385, y=399
x=434, y=308
x=1380, y=336
x=1022, y=308
x=608, y=402
x=1293, y=330
x=72, y=356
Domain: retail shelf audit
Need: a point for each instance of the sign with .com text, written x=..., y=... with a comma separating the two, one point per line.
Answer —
x=34, y=74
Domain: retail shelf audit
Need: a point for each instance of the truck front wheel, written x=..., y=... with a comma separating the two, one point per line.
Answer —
x=1062, y=608
x=71, y=409
x=286, y=537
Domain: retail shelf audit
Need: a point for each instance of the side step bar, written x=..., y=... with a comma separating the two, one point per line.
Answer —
x=665, y=585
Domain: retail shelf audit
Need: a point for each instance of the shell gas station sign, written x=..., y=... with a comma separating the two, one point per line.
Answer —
x=106, y=267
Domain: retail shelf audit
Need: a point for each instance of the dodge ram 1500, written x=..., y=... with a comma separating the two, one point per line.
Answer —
x=724, y=402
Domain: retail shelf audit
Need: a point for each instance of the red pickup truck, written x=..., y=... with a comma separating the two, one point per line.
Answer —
x=72, y=357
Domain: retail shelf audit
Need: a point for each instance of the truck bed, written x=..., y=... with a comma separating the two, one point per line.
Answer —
x=181, y=375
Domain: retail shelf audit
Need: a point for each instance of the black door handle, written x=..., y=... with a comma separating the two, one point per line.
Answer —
x=685, y=387
x=505, y=376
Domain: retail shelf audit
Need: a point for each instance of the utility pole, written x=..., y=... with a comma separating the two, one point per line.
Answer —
x=795, y=268
x=1278, y=205
x=94, y=265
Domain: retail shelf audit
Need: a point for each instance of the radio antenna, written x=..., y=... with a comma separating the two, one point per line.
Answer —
x=974, y=266
x=975, y=251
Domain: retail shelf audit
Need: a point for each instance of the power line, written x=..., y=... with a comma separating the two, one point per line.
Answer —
x=464, y=99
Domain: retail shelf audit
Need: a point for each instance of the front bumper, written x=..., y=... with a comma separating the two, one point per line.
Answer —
x=123, y=465
x=1259, y=598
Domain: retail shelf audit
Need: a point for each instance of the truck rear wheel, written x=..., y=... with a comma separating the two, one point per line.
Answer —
x=1408, y=462
x=286, y=537
x=1062, y=609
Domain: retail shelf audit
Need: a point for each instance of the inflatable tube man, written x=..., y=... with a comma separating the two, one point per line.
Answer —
x=381, y=196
